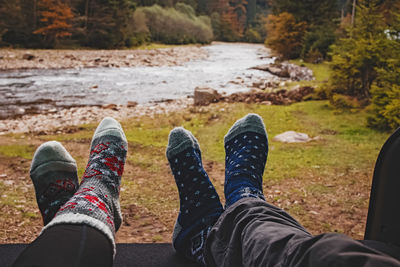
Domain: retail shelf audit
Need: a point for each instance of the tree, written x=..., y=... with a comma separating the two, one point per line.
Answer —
x=108, y=23
x=285, y=35
x=55, y=19
x=385, y=107
x=355, y=59
x=313, y=12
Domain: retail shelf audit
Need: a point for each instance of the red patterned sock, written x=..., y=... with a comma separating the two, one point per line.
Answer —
x=96, y=203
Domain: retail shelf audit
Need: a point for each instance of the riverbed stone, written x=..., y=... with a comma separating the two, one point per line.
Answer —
x=292, y=137
x=204, y=96
x=28, y=56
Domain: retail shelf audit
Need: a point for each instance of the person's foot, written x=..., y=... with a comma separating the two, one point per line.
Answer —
x=54, y=176
x=200, y=206
x=246, y=149
x=96, y=203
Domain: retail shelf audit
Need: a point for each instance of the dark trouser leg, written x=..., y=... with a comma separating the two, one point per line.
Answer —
x=254, y=233
x=68, y=245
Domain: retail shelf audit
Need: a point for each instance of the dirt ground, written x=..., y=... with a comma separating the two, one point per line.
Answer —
x=318, y=209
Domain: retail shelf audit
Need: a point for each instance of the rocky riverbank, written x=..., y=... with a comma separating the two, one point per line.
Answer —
x=18, y=59
x=66, y=119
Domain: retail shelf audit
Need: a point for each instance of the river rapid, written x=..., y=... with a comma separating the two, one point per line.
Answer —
x=227, y=69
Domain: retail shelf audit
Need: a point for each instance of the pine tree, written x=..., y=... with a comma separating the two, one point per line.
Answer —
x=355, y=59
x=385, y=108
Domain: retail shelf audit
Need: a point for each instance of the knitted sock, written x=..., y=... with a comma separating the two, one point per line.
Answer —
x=200, y=206
x=96, y=203
x=246, y=149
x=54, y=176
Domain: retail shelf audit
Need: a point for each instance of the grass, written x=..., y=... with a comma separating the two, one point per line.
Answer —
x=324, y=183
x=17, y=150
x=321, y=73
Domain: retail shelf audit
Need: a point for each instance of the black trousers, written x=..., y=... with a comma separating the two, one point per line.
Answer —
x=250, y=233
x=68, y=245
x=254, y=233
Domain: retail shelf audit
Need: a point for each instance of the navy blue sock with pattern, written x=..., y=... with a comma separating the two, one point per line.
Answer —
x=246, y=149
x=200, y=206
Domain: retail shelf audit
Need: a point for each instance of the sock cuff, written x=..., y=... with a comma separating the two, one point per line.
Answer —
x=250, y=123
x=77, y=218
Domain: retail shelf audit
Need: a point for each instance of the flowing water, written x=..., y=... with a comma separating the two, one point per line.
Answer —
x=227, y=69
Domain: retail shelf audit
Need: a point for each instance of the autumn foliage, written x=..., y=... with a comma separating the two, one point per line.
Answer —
x=285, y=35
x=55, y=19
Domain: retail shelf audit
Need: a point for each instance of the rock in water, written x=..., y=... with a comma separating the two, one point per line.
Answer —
x=287, y=70
x=205, y=96
x=292, y=137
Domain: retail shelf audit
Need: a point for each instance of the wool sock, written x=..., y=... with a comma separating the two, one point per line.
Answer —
x=54, y=176
x=246, y=149
x=96, y=203
x=200, y=206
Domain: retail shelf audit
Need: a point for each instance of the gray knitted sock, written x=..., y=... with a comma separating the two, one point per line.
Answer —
x=96, y=203
x=54, y=176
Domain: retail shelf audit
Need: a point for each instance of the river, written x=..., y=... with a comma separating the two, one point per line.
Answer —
x=227, y=69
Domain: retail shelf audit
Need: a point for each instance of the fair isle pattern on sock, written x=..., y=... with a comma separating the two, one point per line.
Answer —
x=200, y=205
x=96, y=203
x=246, y=148
x=55, y=178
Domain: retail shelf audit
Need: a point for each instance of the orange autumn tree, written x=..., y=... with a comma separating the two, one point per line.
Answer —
x=55, y=19
x=285, y=35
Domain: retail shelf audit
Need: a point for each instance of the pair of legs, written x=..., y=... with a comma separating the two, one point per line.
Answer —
x=80, y=221
x=249, y=231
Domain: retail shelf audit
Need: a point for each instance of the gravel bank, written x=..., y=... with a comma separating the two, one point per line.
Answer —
x=18, y=59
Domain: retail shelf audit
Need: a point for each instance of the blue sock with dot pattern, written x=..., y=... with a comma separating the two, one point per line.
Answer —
x=246, y=149
x=200, y=206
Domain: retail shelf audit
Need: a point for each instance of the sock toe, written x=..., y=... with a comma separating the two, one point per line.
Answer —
x=51, y=151
x=109, y=126
x=180, y=139
x=250, y=123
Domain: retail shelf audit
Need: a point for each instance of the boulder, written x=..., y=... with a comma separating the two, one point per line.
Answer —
x=287, y=70
x=131, y=104
x=205, y=96
x=292, y=137
x=110, y=106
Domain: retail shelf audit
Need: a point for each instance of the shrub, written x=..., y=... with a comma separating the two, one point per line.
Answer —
x=171, y=26
x=252, y=36
x=318, y=40
x=314, y=56
x=344, y=102
x=385, y=108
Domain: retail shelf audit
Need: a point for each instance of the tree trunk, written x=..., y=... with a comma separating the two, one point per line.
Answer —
x=86, y=14
x=353, y=13
x=34, y=15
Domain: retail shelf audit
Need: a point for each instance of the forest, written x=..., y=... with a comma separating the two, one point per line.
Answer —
x=126, y=23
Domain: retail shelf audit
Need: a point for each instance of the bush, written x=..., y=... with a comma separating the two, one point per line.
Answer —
x=344, y=102
x=171, y=26
x=314, y=56
x=252, y=36
x=317, y=41
x=385, y=108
